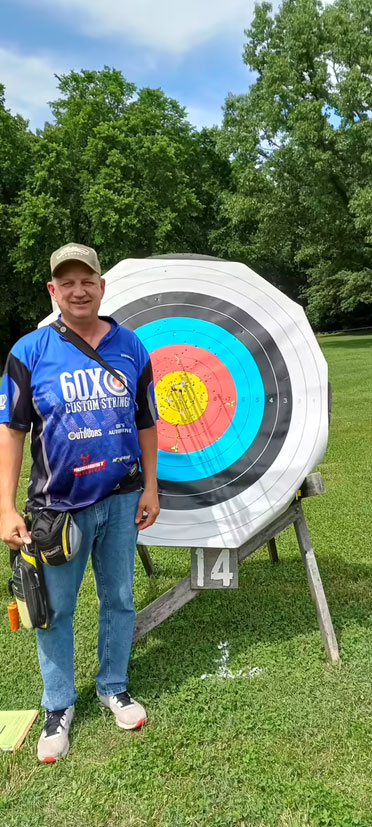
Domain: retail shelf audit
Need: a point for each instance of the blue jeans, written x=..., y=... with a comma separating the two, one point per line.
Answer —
x=110, y=535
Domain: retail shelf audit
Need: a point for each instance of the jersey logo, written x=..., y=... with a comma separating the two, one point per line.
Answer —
x=86, y=384
x=113, y=385
x=93, y=389
x=85, y=433
x=88, y=467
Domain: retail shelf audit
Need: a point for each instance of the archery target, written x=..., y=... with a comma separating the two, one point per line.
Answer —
x=241, y=389
x=214, y=444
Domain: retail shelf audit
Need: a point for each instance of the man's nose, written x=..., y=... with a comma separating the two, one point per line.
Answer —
x=79, y=289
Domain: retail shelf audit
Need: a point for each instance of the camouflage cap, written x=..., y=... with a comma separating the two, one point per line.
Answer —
x=74, y=252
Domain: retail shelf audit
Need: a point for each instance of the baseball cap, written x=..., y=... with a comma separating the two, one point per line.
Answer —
x=74, y=252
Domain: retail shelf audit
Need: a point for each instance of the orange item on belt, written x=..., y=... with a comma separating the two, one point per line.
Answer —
x=13, y=616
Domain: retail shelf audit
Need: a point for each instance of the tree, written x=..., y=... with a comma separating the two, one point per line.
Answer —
x=51, y=209
x=301, y=147
x=119, y=169
x=15, y=157
x=138, y=193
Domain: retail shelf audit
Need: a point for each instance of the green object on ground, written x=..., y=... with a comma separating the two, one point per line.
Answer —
x=14, y=727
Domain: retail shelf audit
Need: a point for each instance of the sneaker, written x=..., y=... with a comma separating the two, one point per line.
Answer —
x=129, y=714
x=53, y=742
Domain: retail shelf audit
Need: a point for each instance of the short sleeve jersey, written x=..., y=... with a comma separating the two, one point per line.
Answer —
x=84, y=424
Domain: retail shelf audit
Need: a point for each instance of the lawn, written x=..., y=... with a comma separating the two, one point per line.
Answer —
x=290, y=746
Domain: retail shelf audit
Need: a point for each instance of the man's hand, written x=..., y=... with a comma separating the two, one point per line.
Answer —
x=148, y=509
x=13, y=530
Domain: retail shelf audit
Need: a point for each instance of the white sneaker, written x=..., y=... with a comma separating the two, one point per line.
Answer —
x=53, y=742
x=129, y=714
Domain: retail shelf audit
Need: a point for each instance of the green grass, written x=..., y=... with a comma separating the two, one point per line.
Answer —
x=291, y=747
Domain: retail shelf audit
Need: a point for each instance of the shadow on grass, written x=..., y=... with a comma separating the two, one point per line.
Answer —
x=272, y=605
x=357, y=341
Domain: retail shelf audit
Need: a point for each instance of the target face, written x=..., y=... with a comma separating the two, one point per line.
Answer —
x=241, y=389
x=224, y=403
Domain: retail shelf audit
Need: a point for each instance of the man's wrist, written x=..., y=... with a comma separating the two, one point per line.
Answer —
x=7, y=508
x=151, y=486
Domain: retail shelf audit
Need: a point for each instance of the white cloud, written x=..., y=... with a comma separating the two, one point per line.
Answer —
x=200, y=115
x=172, y=26
x=29, y=84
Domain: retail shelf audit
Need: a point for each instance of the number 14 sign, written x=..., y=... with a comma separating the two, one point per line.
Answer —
x=213, y=568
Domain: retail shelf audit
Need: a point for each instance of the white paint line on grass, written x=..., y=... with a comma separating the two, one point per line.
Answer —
x=224, y=671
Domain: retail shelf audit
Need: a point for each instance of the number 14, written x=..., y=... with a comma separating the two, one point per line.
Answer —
x=220, y=570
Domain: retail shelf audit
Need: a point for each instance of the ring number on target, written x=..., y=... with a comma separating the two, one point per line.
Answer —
x=213, y=568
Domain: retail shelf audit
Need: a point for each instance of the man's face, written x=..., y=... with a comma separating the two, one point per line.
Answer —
x=78, y=291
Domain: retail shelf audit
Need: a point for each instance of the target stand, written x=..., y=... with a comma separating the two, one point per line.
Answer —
x=225, y=576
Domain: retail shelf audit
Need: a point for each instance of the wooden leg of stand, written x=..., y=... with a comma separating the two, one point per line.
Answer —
x=273, y=551
x=166, y=605
x=316, y=588
x=148, y=563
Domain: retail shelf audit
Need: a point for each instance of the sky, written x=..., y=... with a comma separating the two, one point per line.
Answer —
x=192, y=49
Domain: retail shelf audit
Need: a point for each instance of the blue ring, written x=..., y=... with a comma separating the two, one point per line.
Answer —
x=249, y=387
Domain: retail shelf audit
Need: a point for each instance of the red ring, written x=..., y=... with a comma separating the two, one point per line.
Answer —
x=221, y=403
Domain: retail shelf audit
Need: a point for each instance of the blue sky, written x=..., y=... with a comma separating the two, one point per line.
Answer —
x=190, y=49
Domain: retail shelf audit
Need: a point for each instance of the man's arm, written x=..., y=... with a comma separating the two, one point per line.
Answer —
x=148, y=506
x=13, y=530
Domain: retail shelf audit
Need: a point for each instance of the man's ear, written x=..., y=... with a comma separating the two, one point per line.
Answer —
x=51, y=289
x=103, y=286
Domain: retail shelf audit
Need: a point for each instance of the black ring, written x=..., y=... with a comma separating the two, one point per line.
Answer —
x=274, y=373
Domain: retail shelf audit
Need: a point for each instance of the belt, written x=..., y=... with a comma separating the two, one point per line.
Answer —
x=131, y=482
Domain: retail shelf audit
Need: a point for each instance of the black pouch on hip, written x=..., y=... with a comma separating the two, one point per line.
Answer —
x=56, y=536
x=28, y=588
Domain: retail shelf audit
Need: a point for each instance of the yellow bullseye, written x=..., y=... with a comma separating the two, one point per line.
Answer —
x=181, y=397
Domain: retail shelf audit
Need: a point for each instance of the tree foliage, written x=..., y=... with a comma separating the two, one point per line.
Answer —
x=119, y=169
x=15, y=159
x=301, y=149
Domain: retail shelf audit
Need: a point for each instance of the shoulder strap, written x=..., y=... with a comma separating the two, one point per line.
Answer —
x=82, y=345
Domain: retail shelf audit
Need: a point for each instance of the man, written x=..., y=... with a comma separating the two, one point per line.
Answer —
x=87, y=432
